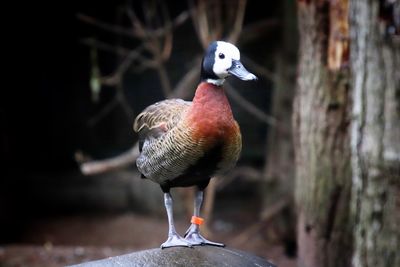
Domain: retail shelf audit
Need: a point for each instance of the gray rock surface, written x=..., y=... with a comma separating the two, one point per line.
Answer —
x=204, y=256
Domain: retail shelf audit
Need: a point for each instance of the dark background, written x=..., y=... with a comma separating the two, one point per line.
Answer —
x=46, y=107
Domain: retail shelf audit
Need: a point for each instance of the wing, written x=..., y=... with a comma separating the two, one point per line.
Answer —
x=159, y=118
x=164, y=112
x=165, y=143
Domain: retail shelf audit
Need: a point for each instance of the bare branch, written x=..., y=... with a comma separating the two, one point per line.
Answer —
x=186, y=86
x=253, y=31
x=179, y=20
x=101, y=166
x=164, y=80
x=121, y=51
x=137, y=26
x=104, y=112
x=167, y=49
x=216, y=20
x=120, y=96
x=139, y=32
x=238, y=24
x=142, y=31
x=260, y=69
x=249, y=107
x=104, y=26
x=200, y=23
x=116, y=77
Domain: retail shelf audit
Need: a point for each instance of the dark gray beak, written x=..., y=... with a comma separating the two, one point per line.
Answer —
x=240, y=71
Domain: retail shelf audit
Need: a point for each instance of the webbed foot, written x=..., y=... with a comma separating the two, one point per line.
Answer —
x=175, y=240
x=193, y=236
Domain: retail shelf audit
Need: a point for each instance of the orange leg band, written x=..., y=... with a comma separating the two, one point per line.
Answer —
x=197, y=220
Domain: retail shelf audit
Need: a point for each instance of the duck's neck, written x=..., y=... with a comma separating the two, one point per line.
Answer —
x=217, y=82
x=211, y=98
x=210, y=106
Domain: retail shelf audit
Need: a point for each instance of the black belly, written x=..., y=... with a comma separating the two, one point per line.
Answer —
x=200, y=173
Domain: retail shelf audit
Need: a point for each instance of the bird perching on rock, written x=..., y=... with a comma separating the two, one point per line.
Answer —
x=185, y=143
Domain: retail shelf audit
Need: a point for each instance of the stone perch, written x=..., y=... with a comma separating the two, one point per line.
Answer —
x=204, y=256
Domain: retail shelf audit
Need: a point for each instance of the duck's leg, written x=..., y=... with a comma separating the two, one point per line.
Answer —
x=193, y=233
x=174, y=239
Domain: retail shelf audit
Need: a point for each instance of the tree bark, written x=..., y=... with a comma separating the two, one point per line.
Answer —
x=375, y=135
x=321, y=135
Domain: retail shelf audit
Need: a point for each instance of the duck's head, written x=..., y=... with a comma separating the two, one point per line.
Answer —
x=221, y=60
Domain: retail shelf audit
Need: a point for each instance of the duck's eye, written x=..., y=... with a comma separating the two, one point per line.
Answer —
x=221, y=56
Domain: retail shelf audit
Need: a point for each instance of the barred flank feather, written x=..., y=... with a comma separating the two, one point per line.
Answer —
x=174, y=138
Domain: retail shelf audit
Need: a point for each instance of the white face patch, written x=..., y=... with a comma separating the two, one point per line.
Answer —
x=224, y=54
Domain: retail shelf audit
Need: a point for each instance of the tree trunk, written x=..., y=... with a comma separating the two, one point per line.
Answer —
x=375, y=133
x=321, y=135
